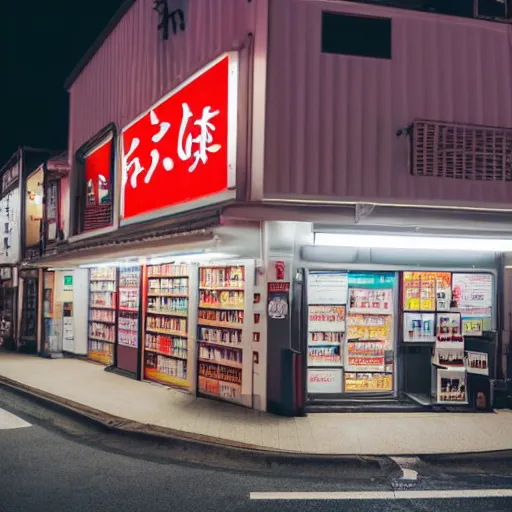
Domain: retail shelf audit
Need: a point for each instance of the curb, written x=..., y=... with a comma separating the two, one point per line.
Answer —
x=208, y=447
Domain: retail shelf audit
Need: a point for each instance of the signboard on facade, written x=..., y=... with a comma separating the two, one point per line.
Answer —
x=10, y=227
x=34, y=208
x=10, y=176
x=98, y=185
x=181, y=154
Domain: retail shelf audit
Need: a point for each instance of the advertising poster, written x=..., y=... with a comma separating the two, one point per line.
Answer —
x=368, y=382
x=324, y=381
x=327, y=318
x=477, y=362
x=451, y=387
x=448, y=324
x=472, y=326
x=327, y=287
x=278, y=300
x=411, y=285
x=450, y=357
x=472, y=294
x=371, y=301
x=428, y=291
x=443, y=291
x=419, y=327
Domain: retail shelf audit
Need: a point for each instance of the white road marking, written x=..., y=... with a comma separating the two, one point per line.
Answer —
x=384, y=495
x=405, y=464
x=9, y=421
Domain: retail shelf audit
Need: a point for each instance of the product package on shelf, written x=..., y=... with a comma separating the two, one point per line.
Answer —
x=128, y=310
x=223, y=301
x=102, y=314
x=166, y=333
x=369, y=358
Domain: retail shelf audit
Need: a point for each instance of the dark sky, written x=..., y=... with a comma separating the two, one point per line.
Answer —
x=40, y=43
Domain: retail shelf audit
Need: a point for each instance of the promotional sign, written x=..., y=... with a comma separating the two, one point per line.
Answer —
x=472, y=294
x=477, y=363
x=324, y=381
x=184, y=148
x=327, y=287
x=34, y=208
x=369, y=280
x=278, y=300
x=68, y=283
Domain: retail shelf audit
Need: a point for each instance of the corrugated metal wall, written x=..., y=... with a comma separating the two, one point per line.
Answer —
x=331, y=120
x=135, y=67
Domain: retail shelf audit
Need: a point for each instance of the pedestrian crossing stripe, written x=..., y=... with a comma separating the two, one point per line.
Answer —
x=9, y=421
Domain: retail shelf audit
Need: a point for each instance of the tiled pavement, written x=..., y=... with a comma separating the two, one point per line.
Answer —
x=341, y=434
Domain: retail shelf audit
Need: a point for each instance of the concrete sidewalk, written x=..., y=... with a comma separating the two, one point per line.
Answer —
x=83, y=385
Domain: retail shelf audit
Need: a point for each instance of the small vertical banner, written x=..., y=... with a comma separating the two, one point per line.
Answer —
x=278, y=300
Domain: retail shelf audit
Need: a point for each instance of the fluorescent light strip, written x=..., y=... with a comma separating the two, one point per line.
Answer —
x=371, y=241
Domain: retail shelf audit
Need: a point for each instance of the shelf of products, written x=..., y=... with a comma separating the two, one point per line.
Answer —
x=220, y=321
x=166, y=333
x=128, y=309
x=369, y=358
x=102, y=314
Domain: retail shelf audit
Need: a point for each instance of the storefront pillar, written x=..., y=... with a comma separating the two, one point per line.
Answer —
x=284, y=387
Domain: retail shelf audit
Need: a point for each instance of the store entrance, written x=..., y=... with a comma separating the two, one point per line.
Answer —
x=417, y=339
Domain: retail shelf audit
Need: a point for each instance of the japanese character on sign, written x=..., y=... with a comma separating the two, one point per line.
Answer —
x=167, y=162
x=204, y=138
x=188, y=146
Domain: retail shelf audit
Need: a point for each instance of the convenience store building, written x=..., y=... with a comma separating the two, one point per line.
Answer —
x=235, y=189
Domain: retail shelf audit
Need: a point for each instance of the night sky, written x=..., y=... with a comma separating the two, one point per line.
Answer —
x=40, y=43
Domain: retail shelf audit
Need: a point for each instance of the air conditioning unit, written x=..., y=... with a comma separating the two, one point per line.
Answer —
x=493, y=9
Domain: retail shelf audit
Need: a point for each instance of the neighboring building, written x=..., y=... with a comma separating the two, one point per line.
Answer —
x=273, y=130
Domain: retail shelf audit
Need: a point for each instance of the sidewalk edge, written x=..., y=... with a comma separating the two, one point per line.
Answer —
x=128, y=427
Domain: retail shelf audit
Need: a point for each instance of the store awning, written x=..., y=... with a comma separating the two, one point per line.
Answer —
x=149, y=239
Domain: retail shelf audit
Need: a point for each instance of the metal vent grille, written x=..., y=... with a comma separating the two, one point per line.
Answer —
x=464, y=152
x=97, y=216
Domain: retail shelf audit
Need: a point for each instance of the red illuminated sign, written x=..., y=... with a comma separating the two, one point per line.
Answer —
x=98, y=200
x=183, y=150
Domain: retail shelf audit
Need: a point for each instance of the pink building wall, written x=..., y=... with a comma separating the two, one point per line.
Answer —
x=135, y=67
x=331, y=120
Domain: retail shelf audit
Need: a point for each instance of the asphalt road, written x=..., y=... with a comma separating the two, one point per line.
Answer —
x=51, y=462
